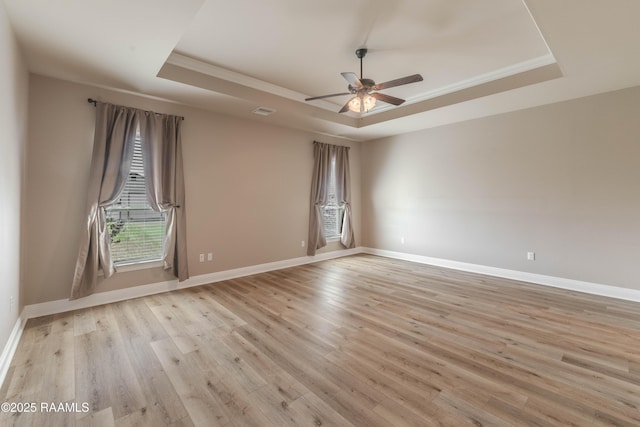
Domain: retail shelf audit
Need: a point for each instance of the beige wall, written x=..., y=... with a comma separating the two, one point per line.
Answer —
x=247, y=186
x=562, y=180
x=14, y=80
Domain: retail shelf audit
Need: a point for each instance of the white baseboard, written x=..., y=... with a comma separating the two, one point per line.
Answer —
x=10, y=347
x=540, y=279
x=100, y=298
x=60, y=306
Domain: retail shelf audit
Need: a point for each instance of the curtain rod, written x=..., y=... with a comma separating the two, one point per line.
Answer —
x=95, y=103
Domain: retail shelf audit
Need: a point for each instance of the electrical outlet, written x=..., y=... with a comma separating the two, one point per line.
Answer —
x=12, y=301
x=201, y=257
x=302, y=244
x=531, y=256
x=402, y=240
x=210, y=256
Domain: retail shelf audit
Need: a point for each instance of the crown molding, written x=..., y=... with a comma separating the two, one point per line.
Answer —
x=202, y=67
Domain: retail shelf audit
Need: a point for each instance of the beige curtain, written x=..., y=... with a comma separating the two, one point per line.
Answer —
x=343, y=194
x=322, y=162
x=115, y=133
x=164, y=178
x=323, y=155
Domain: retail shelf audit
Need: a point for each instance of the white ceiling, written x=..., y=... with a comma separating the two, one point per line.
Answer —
x=476, y=58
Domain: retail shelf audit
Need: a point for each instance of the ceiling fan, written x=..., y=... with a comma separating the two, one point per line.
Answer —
x=365, y=99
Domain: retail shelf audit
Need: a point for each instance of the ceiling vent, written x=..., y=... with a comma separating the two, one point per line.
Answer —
x=264, y=111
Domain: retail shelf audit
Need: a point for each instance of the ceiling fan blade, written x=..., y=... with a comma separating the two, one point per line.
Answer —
x=398, y=82
x=327, y=96
x=353, y=80
x=387, y=98
x=345, y=108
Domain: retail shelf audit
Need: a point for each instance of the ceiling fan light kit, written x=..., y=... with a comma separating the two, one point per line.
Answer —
x=355, y=104
x=362, y=104
x=365, y=99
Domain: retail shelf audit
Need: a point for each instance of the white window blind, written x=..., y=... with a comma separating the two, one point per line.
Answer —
x=137, y=231
x=332, y=213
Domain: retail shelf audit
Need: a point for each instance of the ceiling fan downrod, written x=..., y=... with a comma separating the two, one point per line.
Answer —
x=361, y=53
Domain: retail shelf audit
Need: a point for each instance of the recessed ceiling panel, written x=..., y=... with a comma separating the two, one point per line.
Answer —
x=303, y=46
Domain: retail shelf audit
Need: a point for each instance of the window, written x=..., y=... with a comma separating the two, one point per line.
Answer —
x=137, y=231
x=332, y=212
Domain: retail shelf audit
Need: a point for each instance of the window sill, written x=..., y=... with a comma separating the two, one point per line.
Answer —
x=146, y=265
x=123, y=268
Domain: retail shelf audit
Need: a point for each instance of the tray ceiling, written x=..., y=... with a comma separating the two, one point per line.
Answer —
x=477, y=58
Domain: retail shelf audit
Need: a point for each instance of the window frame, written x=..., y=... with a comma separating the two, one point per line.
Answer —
x=332, y=203
x=153, y=260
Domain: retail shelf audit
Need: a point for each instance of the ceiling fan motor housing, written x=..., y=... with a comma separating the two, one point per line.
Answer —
x=367, y=84
x=360, y=53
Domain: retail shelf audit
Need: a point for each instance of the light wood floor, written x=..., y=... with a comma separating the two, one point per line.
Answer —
x=363, y=340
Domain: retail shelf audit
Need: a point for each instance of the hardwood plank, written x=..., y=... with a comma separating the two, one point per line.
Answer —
x=217, y=357
x=191, y=385
x=135, y=319
x=105, y=377
x=27, y=363
x=59, y=370
x=91, y=372
x=162, y=401
x=275, y=407
x=457, y=404
x=311, y=410
x=287, y=388
x=175, y=327
x=397, y=415
x=236, y=402
x=83, y=321
x=103, y=418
